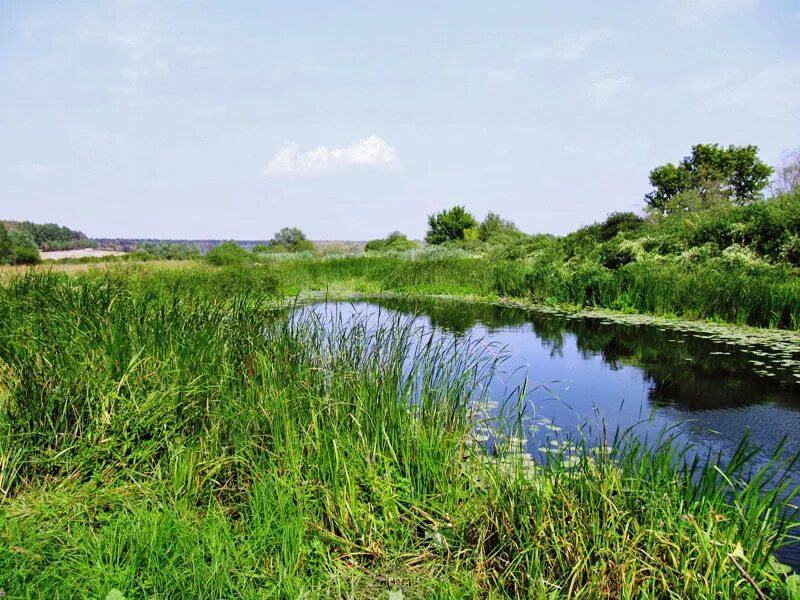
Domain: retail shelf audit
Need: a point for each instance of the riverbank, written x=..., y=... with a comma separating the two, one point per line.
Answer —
x=727, y=291
x=166, y=432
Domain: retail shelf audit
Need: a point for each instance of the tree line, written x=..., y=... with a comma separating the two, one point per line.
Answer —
x=21, y=241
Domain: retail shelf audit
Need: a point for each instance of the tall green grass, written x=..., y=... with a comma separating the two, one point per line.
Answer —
x=734, y=292
x=195, y=441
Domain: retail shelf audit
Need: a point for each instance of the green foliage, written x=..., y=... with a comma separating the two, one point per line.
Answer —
x=270, y=249
x=26, y=255
x=713, y=173
x=790, y=250
x=167, y=434
x=394, y=242
x=521, y=246
x=50, y=236
x=228, y=254
x=471, y=234
x=449, y=225
x=494, y=228
x=615, y=254
x=304, y=246
x=619, y=222
x=169, y=251
x=288, y=237
x=6, y=249
x=23, y=247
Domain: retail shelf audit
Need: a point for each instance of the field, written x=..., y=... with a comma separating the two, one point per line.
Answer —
x=171, y=433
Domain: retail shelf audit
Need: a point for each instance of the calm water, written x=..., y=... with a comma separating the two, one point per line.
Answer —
x=613, y=375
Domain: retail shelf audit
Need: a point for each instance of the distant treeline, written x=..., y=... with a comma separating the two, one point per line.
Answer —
x=150, y=244
x=50, y=236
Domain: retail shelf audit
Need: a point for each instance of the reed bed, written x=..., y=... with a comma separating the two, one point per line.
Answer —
x=165, y=435
x=759, y=295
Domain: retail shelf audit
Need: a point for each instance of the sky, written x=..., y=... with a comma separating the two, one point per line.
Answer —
x=205, y=119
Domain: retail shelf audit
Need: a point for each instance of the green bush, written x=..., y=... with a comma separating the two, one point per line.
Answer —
x=26, y=255
x=614, y=254
x=470, y=234
x=169, y=251
x=23, y=247
x=303, y=246
x=6, y=249
x=394, y=242
x=790, y=252
x=228, y=254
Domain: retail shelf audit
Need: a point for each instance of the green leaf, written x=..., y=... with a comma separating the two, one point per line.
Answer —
x=115, y=594
x=738, y=552
x=793, y=587
x=778, y=567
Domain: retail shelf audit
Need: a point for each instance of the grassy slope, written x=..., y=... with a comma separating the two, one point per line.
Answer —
x=156, y=439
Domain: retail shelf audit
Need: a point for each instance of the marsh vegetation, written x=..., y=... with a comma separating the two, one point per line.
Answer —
x=177, y=433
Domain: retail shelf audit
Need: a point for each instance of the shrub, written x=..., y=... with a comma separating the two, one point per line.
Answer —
x=494, y=227
x=27, y=255
x=24, y=250
x=228, y=254
x=303, y=246
x=169, y=251
x=620, y=222
x=791, y=250
x=6, y=250
x=394, y=242
x=471, y=234
x=615, y=254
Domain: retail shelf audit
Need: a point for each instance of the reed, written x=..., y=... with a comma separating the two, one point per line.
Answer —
x=172, y=438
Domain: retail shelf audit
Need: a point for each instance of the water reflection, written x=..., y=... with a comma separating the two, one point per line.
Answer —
x=686, y=371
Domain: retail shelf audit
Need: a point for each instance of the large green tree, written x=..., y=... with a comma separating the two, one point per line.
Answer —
x=288, y=236
x=449, y=225
x=711, y=173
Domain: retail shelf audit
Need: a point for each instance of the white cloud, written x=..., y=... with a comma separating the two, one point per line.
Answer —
x=770, y=93
x=371, y=151
x=32, y=169
x=572, y=47
x=603, y=90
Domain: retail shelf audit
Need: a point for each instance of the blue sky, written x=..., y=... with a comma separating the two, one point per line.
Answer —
x=170, y=118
